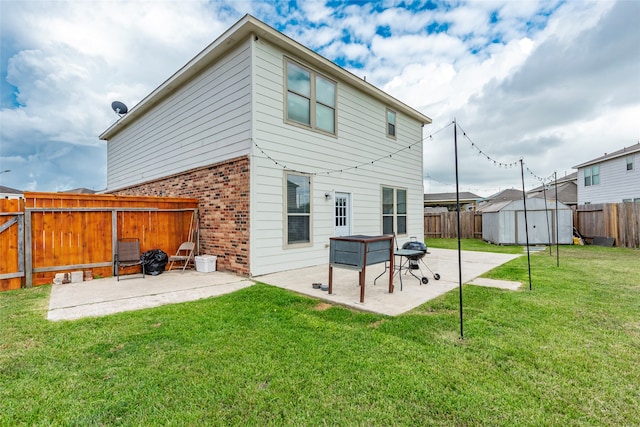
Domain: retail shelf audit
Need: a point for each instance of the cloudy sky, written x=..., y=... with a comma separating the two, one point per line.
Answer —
x=555, y=83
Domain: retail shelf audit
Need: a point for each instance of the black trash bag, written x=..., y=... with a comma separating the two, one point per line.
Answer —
x=154, y=261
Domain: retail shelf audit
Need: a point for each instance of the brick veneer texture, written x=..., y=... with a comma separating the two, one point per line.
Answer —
x=223, y=193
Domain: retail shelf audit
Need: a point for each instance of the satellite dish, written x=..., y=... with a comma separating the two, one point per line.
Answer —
x=119, y=108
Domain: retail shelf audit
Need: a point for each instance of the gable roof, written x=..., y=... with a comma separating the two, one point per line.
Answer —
x=509, y=194
x=449, y=197
x=572, y=177
x=620, y=153
x=9, y=190
x=511, y=205
x=567, y=192
x=80, y=190
x=237, y=33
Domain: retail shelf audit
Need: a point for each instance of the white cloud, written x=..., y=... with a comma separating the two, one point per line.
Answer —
x=547, y=80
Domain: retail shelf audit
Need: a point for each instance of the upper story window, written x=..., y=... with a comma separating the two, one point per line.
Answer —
x=311, y=98
x=298, y=209
x=391, y=123
x=592, y=176
x=630, y=163
x=394, y=210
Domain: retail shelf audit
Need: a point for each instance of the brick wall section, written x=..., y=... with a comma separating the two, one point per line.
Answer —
x=223, y=192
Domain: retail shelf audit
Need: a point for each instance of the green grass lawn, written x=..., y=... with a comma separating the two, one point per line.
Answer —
x=475, y=245
x=565, y=353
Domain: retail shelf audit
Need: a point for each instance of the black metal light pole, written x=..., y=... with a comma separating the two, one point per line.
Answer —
x=557, y=224
x=455, y=144
x=526, y=225
x=546, y=214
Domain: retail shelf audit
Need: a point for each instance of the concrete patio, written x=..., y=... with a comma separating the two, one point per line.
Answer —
x=107, y=296
x=377, y=297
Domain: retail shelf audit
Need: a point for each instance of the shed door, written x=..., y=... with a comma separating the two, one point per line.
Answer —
x=540, y=230
x=342, y=220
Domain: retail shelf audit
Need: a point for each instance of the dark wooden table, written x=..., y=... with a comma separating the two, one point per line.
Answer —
x=356, y=252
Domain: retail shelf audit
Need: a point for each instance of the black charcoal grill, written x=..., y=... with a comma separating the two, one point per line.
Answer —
x=411, y=257
x=415, y=260
x=415, y=245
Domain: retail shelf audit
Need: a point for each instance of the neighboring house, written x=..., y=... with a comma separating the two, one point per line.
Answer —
x=449, y=200
x=612, y=178
x=282, y=147
x=567, y=190
x=9, y=193
x=80, y=190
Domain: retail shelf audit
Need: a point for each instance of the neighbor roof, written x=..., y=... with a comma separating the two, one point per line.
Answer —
x=9, y=190
x=620, y=153
x=571, y=178
x=450, y=197
x=567, y=193
x=508, y=194
x=80, y=190
x=239, y=32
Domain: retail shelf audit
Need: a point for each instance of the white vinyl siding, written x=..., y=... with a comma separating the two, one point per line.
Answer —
x=360, y=140
x=616, y=183
x=204, y=122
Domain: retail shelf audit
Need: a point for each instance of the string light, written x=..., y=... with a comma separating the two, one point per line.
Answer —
x=334, y=171
x=500, y=164
x=483, y=153
x=475, y=146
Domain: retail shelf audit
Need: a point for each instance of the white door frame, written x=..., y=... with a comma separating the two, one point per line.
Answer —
x=341, y=214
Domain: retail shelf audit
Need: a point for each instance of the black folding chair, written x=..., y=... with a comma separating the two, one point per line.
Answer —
x=127, y=255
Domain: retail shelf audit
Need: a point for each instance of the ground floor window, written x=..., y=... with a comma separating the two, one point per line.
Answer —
x=394, y=210
x=298, y=208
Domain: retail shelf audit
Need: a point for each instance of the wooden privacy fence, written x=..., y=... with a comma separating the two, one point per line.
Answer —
x=620, y=221
x=11, y=243
x=48, y=233
x=445, y=225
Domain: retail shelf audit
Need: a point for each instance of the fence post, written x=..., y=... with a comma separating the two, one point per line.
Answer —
x=613, y=212
x=28, y=250
x=114, y=236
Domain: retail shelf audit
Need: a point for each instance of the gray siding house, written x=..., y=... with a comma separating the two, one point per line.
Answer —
x=612, y=178
x=283, y=148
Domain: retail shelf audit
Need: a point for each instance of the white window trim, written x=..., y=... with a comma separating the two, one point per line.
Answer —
x=285, y=219
x=395, y=209
x=386, y=123
x=591, y=175
x=313, y=101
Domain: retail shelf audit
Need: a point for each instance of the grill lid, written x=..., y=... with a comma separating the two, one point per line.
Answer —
x=415, y=245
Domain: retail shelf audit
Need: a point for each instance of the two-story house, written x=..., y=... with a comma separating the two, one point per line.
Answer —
x=282, y=147
x=612, y=178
